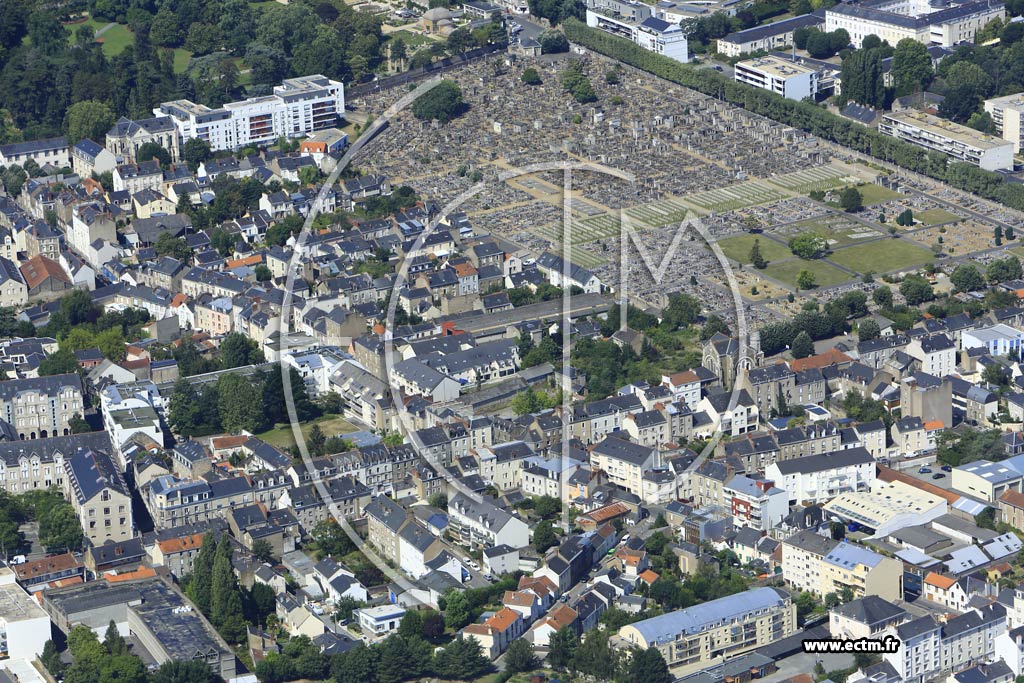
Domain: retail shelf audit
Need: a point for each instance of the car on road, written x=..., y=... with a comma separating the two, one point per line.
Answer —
x=924, y=470
x=939, y=475
x=474, y=565
x=624, y=539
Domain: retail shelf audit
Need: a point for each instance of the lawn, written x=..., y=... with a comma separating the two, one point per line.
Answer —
x=116, y=40
x=181, y=59
x=788, y=271
x=331, y=425
x=738, y=248
x=936, y=216
x=410, y=39
x=875, y=194
x=96, y=26
x=839, y=231
x=882, y=256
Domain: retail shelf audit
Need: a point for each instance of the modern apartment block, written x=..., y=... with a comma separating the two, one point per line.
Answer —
x=297, y=107
x=931, y=23
x=636, y=21
x=792, y=80
x=959, y=143
x=1008, y=116
x=696, y=637
x=820, y=565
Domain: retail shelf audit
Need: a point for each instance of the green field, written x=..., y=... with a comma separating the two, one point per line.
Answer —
x=181, y=59
x=936, y=216
x=738, y=248
x=116, y=40
x=331, y=425
x=410, y=39
x=875, y=194
x=750, y=193
x=840, y=231
x=788, y=271
x=820, y=178
x=881, y=256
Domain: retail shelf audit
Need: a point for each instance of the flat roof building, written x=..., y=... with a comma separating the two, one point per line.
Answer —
x=959, y=143
x=792, y=80
x=1008, y=116
x=635, y=21
x=297, y=107
x=888, y=507
x=773, y=36
x=24, y=626
x=696, y=637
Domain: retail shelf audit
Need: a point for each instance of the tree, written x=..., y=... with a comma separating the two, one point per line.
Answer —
x=151, y=150
x=682, y=311
x=802, y=346
x=238, y=411
x=863, y=71
x=438, y=500
x=905, y=218
x=331, y=539
x=882, y=296
x=806, y=280
x=911, y=66
x=114, y=641
x=850, y=200
x=51, y=659
x=544, y=536
x=461, y=659
x=456, y=612
x=552, y=42
x=59, y=528
x=519, y=657
x=916, y=289
x=967, y=278
x=756, y=259
x=808, y=245
x=13, y=23
x=263, y=551
x=175, y=247
x=443, y=103
x=647, y=666
x=202, y=574
x=562, y=647
x=530, y=76
x=1004, y=269
x=237, y=350
x=165, y=29
x=60, y=362
x=868, y=330
x=194, y=152
x=88, y=119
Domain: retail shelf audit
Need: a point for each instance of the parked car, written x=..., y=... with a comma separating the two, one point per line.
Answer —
x=924, y=470
x=938, y=475
x=947, y=468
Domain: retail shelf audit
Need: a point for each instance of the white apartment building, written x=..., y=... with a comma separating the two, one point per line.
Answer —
x=920, y=20
x=757, y=504
x=623, y=19
x=1008, y=116
x=928, y=647
x=819, y=478
x=936, y=353
x=774, y=36
x=297, y=107
x=959, y=143
x=792, y=80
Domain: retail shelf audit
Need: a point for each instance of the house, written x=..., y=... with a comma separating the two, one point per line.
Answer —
x=497, y=632
x=100, y=496
x=562, y=274
x=45, y=279
x=623, y=461
x=51, y=152
x=13, y=290
x=380, y=620
x=501, y=559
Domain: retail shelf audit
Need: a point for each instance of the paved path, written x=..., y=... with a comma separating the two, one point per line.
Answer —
x=103, y=29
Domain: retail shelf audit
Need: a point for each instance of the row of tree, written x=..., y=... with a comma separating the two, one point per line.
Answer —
x=59, y=528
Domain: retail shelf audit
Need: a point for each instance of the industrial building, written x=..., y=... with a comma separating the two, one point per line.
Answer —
x=24, y=626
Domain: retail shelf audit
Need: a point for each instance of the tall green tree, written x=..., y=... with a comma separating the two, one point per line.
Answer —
x=88, y=119
x=911, y=67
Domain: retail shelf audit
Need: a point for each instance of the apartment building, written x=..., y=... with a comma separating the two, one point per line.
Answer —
x=935, y=352
x=1008, y=116
x=649, y=32
x=943, y=24
x=790, y=79
x=957, y=142
x=697, y=637
x=819, y=478
x=479, y=523
x=99, y=495
x=39, y=464
x=755, y=503
x=773, y=36
x=41, y=407
x=297, y=107
x=623, y=461
x=767, y=384
x=174, y=502
x=820, y=565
